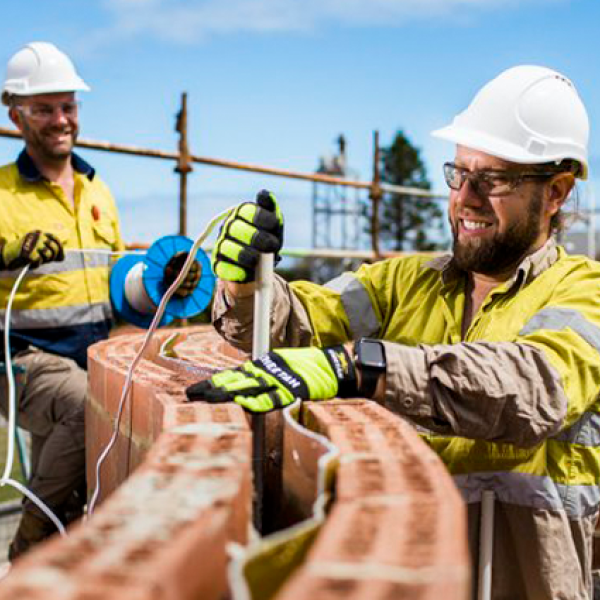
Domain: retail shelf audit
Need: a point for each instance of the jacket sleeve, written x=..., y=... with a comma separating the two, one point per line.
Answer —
x=290, y=325
x=502, y=391
x=544, y=382
x=306, y=313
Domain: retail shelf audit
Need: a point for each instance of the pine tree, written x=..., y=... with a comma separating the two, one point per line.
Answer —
x=408, y=222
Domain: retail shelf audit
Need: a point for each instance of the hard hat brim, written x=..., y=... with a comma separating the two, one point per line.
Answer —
x=499, y=148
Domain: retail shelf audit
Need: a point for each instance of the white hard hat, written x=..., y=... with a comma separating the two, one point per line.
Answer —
x=527, y=115
x=40, y=68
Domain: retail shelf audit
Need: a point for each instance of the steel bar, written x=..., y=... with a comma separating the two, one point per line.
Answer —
x=229, y=164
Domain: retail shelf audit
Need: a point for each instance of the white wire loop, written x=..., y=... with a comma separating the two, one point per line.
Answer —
x=6, y=478
x=153, y=325
x=135, y=291
x=12, y=415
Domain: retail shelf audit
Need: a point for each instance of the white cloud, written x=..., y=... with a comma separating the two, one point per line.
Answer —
x=190, y=21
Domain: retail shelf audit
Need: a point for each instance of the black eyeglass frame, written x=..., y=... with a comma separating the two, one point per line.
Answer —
x=513, y=178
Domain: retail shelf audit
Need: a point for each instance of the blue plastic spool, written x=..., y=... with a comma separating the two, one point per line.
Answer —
x=155, y=262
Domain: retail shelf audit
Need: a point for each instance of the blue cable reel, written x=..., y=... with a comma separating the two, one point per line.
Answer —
x=138, y=282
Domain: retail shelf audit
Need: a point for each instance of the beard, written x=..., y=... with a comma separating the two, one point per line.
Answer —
x=505, y=250
x=44, y=148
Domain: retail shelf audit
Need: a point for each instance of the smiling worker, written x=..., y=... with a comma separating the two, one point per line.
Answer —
x=493, y=350
x=52, y=201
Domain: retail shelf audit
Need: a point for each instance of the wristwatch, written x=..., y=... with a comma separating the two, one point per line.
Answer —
x=369, y=357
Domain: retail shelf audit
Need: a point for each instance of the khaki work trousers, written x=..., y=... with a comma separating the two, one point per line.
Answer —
x=51, y=403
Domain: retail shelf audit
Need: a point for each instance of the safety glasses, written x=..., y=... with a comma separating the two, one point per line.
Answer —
x=490, y=182
x=45, y=112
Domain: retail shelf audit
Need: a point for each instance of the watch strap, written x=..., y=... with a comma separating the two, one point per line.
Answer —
x=369, y=372
x=368, y=382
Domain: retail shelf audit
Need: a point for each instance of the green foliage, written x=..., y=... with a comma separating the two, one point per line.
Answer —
x=8, y=492
x=408, y=222
x=296, y=270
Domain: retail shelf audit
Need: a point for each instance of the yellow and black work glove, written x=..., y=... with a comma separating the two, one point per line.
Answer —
x=250, y=229
x=277, y=378
x=34, y=248
x=190, y=281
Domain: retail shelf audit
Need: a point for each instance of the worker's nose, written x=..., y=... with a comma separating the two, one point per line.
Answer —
x=469, y=195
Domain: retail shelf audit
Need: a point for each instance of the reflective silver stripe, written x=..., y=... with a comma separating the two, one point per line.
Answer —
x=74, y=261
x=585, y=432
x=561, y=318
x=535, y=491
x=58, y=317
x=357, y=304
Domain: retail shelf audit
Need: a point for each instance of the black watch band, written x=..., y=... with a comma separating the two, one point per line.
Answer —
x=369, y=357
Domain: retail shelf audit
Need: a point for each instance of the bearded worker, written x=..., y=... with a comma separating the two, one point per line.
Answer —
x=492, y=351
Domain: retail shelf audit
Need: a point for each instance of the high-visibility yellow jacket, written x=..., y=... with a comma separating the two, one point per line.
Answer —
x=512, y=407
x=60, y=307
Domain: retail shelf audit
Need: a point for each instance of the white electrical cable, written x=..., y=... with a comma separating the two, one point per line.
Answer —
x=12, y=415
x=135, y=290
x=153, y=325
x=6, y=478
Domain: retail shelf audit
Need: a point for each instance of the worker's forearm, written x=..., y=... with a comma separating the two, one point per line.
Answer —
x=497, y=391
x=233, y=314
x=238, y=290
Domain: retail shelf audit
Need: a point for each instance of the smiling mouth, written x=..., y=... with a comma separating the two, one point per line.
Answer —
x=59, y=135
x=473, y=225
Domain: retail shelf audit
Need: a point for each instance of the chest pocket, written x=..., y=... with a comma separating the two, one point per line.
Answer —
x=60, y=232
x=104, y=234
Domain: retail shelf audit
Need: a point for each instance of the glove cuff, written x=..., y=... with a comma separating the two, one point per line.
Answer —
x=343, y=366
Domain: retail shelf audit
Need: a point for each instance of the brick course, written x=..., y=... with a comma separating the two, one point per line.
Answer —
x=177, y=488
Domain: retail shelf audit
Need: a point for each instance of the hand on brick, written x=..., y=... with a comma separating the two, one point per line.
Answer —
x=277, y=378
x=34, y=248
x=250, y=229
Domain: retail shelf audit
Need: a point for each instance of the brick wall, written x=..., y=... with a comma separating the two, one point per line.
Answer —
x=177, y=488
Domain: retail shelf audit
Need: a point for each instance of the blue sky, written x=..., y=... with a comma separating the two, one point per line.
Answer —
x=274, y=82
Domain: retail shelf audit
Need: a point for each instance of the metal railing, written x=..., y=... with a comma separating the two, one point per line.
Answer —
x=184, y=165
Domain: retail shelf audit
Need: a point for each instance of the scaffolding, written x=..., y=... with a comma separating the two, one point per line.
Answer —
x=343, y=200
x=338, y=217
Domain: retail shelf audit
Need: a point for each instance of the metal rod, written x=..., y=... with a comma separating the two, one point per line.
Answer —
x=183, y=204
x=486, y=546
x=228, y=164
x=263, y=296
x=337, y=253
x=184, y=165
x=261, y=343
x=375, y=194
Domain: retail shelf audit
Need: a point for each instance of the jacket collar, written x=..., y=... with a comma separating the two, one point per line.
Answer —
x=530, y=267
x=30, y=173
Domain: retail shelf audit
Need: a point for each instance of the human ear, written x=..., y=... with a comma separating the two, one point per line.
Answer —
x=558, y=190
x=15, y=116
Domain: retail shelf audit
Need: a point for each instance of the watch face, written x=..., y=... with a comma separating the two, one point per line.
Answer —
x=370, y=354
